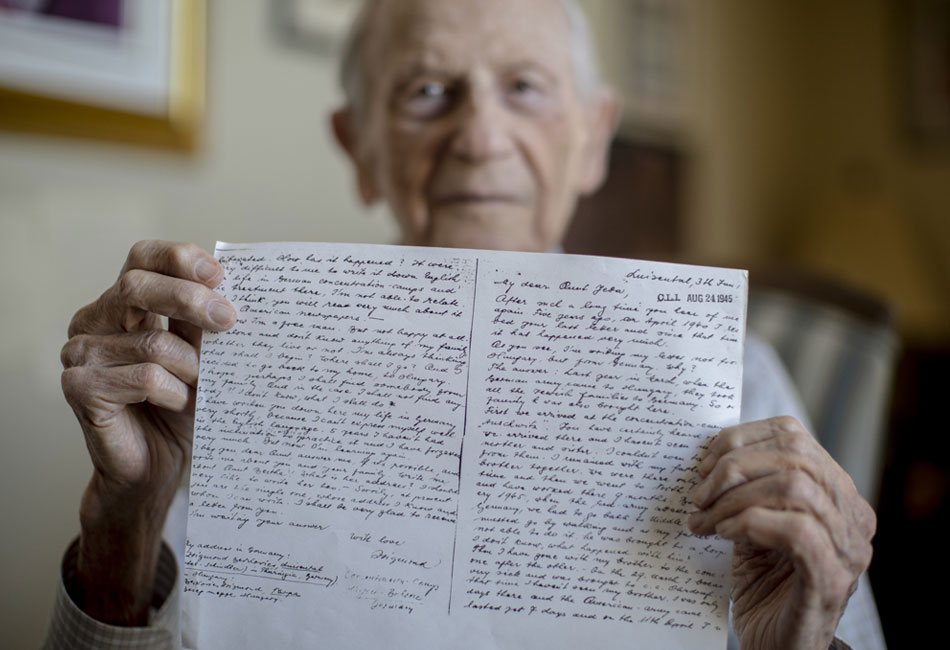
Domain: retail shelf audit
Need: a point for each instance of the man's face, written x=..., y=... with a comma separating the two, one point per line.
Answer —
x=473, y=128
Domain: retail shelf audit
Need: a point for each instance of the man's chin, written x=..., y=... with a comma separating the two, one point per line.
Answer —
x=480, y=227
x=473, y=238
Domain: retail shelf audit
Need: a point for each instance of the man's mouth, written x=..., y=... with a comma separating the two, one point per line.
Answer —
x=475, y=198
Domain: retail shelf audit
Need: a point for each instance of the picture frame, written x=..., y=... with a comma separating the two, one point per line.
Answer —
x=136, y=76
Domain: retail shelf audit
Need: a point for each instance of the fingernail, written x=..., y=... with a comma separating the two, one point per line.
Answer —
x=206, y=270
x=705, y=465
x=222, y=315
x=694, y=521
x=698, y=494
x=724, y=529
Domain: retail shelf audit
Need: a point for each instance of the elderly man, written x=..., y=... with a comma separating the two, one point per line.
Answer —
x=479, y=124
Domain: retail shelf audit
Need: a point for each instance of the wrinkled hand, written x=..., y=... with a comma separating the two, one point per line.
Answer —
x=131, y=384
x=802, y=532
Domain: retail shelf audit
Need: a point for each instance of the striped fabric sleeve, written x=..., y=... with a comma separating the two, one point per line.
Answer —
x=861, y=626
x=72, y=629
x=767, y=390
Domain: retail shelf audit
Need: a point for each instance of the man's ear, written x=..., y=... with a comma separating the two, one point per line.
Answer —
x=605, y=115
x=342, y=122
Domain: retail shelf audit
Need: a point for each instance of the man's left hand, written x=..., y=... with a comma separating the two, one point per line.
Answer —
x=802, y=532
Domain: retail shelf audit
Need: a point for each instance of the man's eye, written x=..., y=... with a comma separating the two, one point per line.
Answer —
x=528, y=94
x=522, y=86
x=431, y=89
x=426, y=100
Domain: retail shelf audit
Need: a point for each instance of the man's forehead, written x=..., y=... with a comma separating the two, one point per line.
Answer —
x=458, y=28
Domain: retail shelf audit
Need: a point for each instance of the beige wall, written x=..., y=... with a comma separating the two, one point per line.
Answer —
x=69, y=212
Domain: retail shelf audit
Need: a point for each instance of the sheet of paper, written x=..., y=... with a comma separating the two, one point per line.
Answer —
x=427, y=448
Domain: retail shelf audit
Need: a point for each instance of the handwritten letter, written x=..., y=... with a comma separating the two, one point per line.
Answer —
x=428, y=448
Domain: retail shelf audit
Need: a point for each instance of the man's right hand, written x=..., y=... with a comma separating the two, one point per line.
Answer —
x=131, y=383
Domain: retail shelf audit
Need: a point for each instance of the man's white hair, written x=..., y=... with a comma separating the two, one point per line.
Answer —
x=586, y=70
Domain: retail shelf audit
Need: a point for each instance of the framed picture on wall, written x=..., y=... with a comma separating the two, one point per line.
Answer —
x=123, y=70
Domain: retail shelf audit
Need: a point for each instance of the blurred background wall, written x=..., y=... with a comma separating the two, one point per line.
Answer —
x=803, y=152
x=788, y=122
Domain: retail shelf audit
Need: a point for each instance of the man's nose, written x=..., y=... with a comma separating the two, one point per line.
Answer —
x=483, y=131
